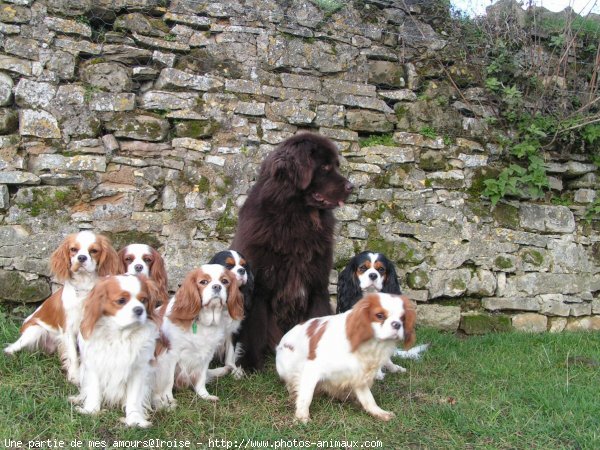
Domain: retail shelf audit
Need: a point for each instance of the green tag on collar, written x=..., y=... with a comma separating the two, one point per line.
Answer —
x=194, y=327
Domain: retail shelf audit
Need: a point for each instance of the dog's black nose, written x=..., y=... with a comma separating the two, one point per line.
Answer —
x=242, y=271
x=396, y=325
x=373, y=276
x=82, y=258
x=138, y=310
x=138, y=267
x=349, y=187
x=217, y=287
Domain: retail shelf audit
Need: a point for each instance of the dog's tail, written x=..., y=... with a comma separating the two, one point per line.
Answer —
x=413, y=353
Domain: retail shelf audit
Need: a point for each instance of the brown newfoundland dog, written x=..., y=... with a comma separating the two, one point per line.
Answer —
x=286, y=231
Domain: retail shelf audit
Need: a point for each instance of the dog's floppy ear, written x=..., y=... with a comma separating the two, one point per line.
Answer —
x=187, y=299
x=294, y=163
x=60, y=261
x=122, y=254
x=390, y=283
x=235, y=299
x=410, y=320
x=358, y=324
x=349, y=291
x=93, y=307
x=158, y=273
x=109, y=262
x=155, y=297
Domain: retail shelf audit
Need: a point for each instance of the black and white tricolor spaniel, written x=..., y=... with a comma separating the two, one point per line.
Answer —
x=236, y=263
x=372, y=272
x=117, y=341
x=366, y=272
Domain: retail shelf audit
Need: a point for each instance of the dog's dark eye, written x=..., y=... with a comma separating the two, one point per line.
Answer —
x=203, y=282
x=229, y=266
x=74, y=250
x=129, y=259
x=93, y=251
x=225, y=281
x=147, y=260
x=381, y=270
x=122, y=301
x=362, y=269
x=380, y=316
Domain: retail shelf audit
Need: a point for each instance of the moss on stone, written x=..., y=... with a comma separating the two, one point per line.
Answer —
x=123, y=238
x=15, y=287
x=203, y=61
x=485, y=323
x=196, y=128
x=533, y=257
x=400, y=110
x=458, y=284
x=506, y=215
x=49, y=200
x=227, y=223
x=224, y=187
x=417, y=279
x=203, y=184
x=432, y=161
x=596, y=253
x=502, y=262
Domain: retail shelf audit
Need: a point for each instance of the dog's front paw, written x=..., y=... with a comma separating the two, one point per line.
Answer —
x=166, y=401
x=73, y=377
x=76, y=399
x=395, y=368
x=302, y=418
x=237, y=372
x=210, y=398
x=88, y=411
x=136, y=420
x=386, y=416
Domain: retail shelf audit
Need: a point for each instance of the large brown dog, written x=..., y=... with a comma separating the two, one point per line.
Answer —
x=286, y=232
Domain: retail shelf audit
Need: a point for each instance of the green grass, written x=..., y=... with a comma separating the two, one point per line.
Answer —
x=489, y=392
x=378, y=139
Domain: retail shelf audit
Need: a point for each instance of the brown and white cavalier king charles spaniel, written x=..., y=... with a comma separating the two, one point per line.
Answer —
x=141, y=259
x=117, y=340
x=78, y=263
x=341, y=354
x=195, y=325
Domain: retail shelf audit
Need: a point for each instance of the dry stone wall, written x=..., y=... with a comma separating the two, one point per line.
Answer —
x=147, y=120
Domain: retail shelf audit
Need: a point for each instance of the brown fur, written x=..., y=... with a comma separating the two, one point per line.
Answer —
x=410, y=320
x=286, y=231
x=102, y=301
x=358, y=325
x=106, y=258
x=315, y=333
x=187, y=301
x=51, y=312
x=158, y=271
x=235, y=298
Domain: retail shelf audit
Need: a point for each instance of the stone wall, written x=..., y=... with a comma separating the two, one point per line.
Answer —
x=147, y=120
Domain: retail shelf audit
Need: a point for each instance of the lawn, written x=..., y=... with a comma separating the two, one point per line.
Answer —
x=496, y=391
